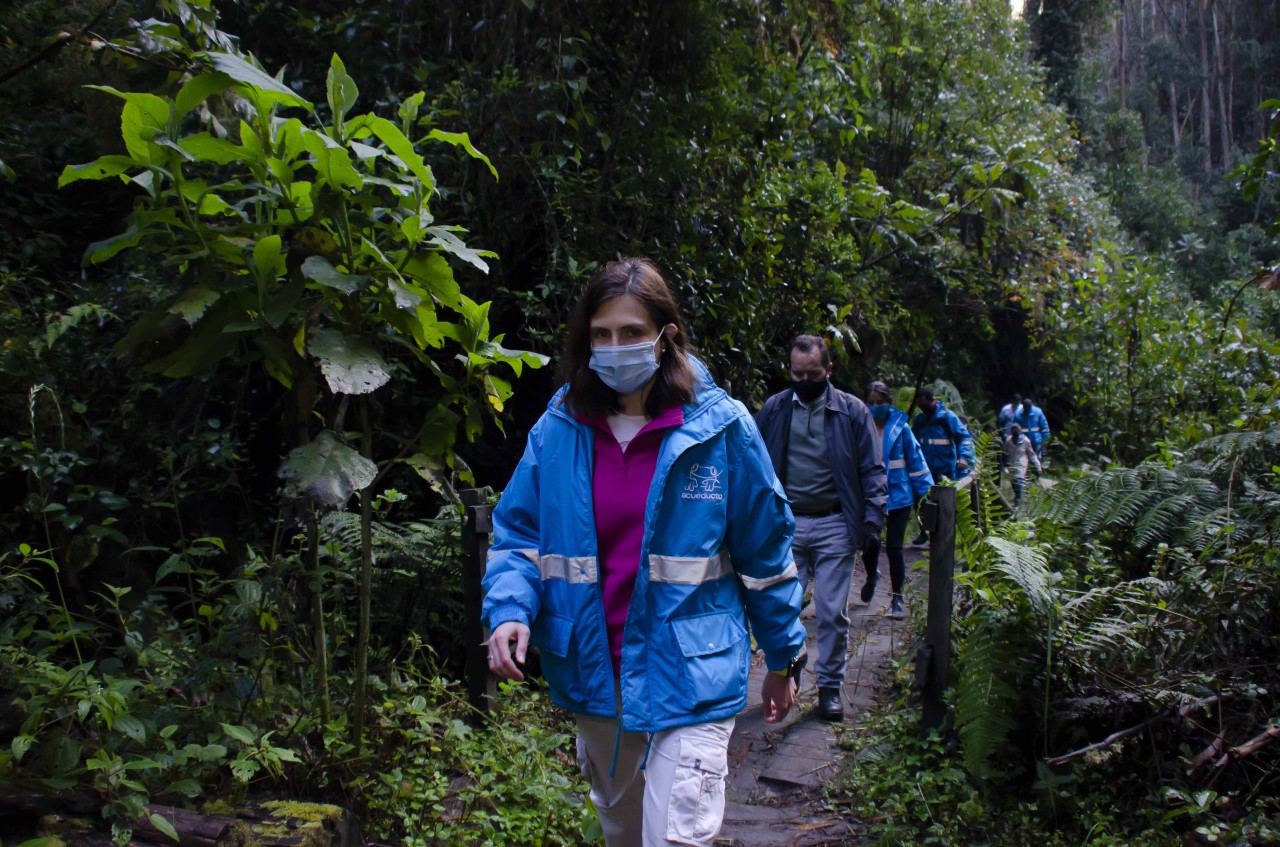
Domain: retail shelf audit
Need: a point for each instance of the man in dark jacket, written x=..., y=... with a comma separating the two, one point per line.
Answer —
x=826, y=452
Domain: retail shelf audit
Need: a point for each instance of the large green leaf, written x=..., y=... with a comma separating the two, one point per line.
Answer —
x=461, y=139
x=271, y=89
x=350, y=365
x=434, y=273
x=211, y=340
x=341, y=90
x=402, y=147
x=444, y=238
x=205, y=148
x=143, y=117
x=326, y=470
x=198, y=89
x=99, y=168
x=318, y=269
x=192, y=303
x=331, y=160
x=100, y=251
x=162, y=824
x=268, y=258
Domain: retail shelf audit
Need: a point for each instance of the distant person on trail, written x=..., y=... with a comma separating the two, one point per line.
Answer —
x=909, y=481
x=642, y=542
x=1019, y=454
x=1034, y=424
x=1008, y=414
x=945, y=440
x=825, y=449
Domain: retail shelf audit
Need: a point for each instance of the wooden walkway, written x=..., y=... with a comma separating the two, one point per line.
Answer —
x=777, y=771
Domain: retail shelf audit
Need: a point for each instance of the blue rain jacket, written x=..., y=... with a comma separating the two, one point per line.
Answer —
x=909, y=477
x=715, y=565
x=1007, y=415
x=1035, y=425
x=945, y=441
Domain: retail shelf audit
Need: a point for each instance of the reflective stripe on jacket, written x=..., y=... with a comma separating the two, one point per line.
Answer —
x=715, y=566
x=945, y=441
x=853, y=448
x=909, y=477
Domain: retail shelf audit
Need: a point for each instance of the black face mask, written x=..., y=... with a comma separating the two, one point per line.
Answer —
x=808, y=390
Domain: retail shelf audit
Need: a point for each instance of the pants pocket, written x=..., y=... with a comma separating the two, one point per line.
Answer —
x=696, y=807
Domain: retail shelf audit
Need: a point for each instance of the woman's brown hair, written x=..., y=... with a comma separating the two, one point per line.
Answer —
x=673, y=383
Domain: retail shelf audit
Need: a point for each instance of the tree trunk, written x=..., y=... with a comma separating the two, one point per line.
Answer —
x=1224, y=116
x=1124, y=53
x=1173, y=117
x=1206, y=77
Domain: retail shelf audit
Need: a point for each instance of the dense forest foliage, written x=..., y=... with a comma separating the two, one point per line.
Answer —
x=278, y=279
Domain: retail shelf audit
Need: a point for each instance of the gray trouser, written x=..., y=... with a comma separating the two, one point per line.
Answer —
x=824, y=552
x=679, y=796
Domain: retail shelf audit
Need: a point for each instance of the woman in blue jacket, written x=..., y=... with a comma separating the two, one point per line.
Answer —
x=641, y=542
x=909, y=480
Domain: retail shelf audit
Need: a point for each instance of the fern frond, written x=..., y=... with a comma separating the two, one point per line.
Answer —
x=1026, y=567
x=1106, y=622
x=986, y=702
x=1146, y=505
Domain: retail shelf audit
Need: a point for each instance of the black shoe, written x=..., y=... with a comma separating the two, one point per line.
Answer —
x=829, y=706
x=895, y=608
x=921, y=540
x=869, y=588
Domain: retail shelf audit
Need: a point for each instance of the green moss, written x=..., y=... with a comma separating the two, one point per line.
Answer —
x=310, y=834
x=71, y=824
x=312, y=812
x=219, y=807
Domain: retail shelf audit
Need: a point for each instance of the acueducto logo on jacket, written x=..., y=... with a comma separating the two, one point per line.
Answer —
x=703, y=483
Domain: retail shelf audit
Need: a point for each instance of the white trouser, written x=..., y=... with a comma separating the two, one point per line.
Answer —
x=677, y=799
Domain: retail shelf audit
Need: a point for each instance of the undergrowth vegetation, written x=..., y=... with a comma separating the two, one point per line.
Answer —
x=188, y=697
x=1116, y=659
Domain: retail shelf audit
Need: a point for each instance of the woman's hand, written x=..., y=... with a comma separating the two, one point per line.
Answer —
x=778, y=693
x=503, y=661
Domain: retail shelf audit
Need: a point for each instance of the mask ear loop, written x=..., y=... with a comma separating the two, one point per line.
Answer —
x=662, y=336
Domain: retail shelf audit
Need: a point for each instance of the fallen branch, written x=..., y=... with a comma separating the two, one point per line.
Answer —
x=1209, y=753
x=1163, y=715
x=1251, y=746
x=51, y=49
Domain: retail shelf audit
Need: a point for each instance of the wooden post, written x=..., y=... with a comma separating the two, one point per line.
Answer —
x=933, y=657
x=476, y=526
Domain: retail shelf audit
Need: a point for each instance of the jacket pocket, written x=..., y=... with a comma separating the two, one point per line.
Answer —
x=695, y=808
x=714, y=647
x=554, y=637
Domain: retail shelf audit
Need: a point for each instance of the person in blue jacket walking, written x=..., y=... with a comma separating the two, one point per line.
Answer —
x=1034, y=425
x=945, y=441
x=1008, y=414
x=641, y=543
x=909, y=481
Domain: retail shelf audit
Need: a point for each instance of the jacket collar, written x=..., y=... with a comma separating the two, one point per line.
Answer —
x=896, y=423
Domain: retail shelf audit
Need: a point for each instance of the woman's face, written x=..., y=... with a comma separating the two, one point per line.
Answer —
x=621, y=321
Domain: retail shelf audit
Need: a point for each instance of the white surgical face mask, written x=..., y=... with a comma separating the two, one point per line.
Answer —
x=627, y=368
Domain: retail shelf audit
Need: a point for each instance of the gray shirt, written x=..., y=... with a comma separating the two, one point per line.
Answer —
x=811, y=483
